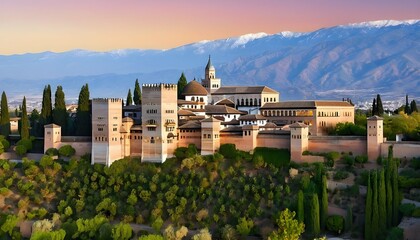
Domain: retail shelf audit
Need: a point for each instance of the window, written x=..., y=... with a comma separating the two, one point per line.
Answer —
x=114, y=129
x=152, y=140
x=100, y=129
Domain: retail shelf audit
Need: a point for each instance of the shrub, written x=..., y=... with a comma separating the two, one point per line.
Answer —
x=395, y=233
x=258, y=161
x=228, y=150
x=46, y=161
x=414, y=163
x=407, y=209
x=20, y=150
x=416, y=213
x=340, y=175
x=335, y=223
x=217, y=157
x=25, y=142
x=361, y=159
x=52, y=152
x=332, y=156
x=66, y=151
x=349, y=160
x=275, y=156
x=4, y=142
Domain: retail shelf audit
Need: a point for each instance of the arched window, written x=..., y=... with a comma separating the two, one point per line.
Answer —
x=242, y=102
x=255, y=101
x=246, y=102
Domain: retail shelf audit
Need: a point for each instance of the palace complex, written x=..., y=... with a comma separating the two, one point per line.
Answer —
x=210, y=114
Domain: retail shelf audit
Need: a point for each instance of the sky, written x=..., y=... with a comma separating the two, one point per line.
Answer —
x=103, y=25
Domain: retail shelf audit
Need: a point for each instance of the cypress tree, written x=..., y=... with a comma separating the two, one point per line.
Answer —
x=129, y=98
x=395, y=193
x=314, y=227
x=83, y=119
x=374, y=110
x=5, y=118
x=60, y=112
x=368, y=212
x=24, y=131
x=137, y=93
x=413, y=106
x=46, y=111
x=388, y=191
x=382, y=204
x=375, y=207
x=182, y=82
x=349, y=218
x=300, y=207
x=379, y=106
x=324, y=202
x=407, y=106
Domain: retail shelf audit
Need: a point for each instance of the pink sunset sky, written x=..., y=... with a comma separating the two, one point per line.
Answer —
x=101, y=25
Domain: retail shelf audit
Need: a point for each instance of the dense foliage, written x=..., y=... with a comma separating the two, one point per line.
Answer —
x=4, y=116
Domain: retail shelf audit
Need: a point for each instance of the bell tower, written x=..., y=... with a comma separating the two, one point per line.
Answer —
x=210, y=82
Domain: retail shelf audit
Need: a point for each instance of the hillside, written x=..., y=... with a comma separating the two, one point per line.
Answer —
x=357, y=61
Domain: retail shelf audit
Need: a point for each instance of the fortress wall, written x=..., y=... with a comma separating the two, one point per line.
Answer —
x=356, y=145
x=402, y=149
x=273, y=141
x=237, y=140
x=81, y=147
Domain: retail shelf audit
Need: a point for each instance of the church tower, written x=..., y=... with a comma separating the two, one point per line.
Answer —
x=210, y=82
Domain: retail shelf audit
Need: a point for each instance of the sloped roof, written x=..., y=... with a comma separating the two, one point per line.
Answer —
x=194, y=88
x=225, y=101
x=183, y=112
x=251, y=117
x=191, y=125
x=270, y=125
x=375, y=117
x=230, y=90
x=298, y=125
x=211, y=119
x=221, y=109
x=52, y=125
x=127, y=119
x=311, y=104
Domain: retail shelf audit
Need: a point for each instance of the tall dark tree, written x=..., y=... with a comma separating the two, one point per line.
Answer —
x=182, y=82
x=137, y=93
x=46, y=111
x=24, y=130
x=300, y=207
x=395, y=191
x=5, y=118
x=129, y=98
x=324, y=202
x=34, y=122
x=368, y=211
x=375, y=208
x=413, y=106
x=374, y=109
x=60, y=111
x=83, y=121
x=389, y=202
x=407, y=108
x=379, y=106
x=313, y=227
x=382, y=204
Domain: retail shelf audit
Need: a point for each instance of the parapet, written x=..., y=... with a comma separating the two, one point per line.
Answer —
x=159, y=86
x=106, y=100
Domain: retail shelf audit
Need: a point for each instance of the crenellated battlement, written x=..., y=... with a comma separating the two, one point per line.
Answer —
x=160, y=86
x=103, y=100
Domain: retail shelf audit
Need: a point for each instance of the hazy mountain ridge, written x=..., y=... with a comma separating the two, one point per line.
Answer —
x=356, y=60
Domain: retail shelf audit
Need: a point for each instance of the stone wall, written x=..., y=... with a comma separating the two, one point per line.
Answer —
x=402, y=149
x=354, y=144
x=273, y=141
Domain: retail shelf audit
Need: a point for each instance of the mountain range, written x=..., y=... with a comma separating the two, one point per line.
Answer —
x=356, y=61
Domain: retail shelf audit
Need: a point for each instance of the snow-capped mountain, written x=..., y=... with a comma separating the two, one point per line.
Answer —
x=355, y=60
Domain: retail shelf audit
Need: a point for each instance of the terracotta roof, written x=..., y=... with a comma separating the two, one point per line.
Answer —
x=232, y=129
x=231, y=122
x=221, y=109
x=270, y=125
x=127, y=119
x=194, y=88
x=375, y=118
x=251, y=117
x=211, y=119
x=311, y=104
x=123, y=130
x=225, y=101
x=243, y=90
x=197, y=117
x=184, y=112
x=136, y=127
x=191, y=125
x=298, y=125
x=52, y=125
x=183, y=102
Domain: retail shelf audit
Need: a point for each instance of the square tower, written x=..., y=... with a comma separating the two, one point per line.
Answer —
x=210, y=131
x=159, y=121
x=299, y=136
x=210, y=82
x=375, y=136
x=106, y=136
